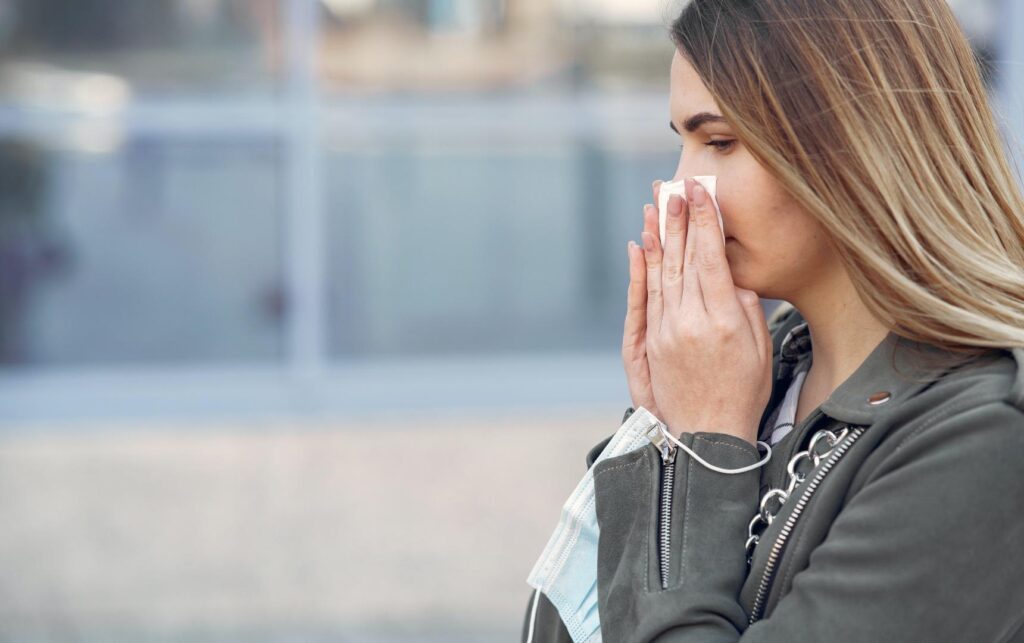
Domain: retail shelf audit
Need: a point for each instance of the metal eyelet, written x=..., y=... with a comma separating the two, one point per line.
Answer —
x=879, y=397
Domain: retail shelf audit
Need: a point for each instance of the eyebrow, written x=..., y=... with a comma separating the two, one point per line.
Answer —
x=697, y=120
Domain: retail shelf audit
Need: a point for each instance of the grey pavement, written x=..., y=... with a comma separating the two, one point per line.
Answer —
x=395, y=529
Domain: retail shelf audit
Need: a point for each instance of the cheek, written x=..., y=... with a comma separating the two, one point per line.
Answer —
x=769, y=234
x=780, y=258
x=741, y=217
x=755, y=209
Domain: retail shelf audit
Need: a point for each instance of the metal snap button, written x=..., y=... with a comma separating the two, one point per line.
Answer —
x=881, y=397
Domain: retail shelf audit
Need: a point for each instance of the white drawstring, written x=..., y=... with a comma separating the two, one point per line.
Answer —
x=668, y=434
x=533, y=615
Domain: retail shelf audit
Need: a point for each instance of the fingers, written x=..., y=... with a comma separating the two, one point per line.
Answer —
x=675, y=239
x=651, y=227
x=655, y=304
x=651, y=220
x=636, y=299
x=693, y=299
x=751, y=304
x=715, y=277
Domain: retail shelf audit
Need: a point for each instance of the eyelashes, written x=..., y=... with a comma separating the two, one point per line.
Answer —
x=720, y=146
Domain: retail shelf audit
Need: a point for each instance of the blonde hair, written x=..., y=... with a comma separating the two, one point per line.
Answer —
x=874, y=116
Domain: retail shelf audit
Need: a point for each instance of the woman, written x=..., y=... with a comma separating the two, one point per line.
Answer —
x=861, y=180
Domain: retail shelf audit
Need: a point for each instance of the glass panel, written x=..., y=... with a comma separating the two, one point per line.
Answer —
x=444, y=45
x=483, y=45
x=56, y=52
x=465, y=246
x=154, y=250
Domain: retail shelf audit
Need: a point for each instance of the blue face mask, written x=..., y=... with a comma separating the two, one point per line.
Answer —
x=566, y=571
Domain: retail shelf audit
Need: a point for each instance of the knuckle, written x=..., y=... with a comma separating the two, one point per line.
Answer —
x=721, y=327
x=673, y=274
x=727, y=329
x=709, y=262
x=691, y=257
x=689, y=333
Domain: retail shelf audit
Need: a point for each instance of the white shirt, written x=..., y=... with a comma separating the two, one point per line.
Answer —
x=785, y=415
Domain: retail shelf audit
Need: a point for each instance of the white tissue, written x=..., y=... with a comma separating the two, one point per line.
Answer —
x=669, y=188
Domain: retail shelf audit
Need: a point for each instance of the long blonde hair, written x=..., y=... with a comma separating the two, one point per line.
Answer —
x=874, y=116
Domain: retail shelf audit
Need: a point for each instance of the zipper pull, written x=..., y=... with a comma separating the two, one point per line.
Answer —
x=656, y=434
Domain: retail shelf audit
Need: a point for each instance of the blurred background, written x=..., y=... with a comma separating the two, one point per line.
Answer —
x=310, y=309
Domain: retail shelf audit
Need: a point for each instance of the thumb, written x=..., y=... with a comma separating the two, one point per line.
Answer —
x=751, y=304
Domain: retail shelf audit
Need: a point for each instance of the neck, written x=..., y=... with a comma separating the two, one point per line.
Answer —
x=843, y=332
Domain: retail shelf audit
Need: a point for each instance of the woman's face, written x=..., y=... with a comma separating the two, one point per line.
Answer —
x=773, y=246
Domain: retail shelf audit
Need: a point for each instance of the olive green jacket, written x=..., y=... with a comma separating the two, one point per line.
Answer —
x=911, y=529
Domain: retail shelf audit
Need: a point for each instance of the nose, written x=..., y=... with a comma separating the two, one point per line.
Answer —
x=686, y=170
x=686, y=167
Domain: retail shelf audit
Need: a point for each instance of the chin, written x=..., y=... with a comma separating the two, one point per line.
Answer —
x=741, y=279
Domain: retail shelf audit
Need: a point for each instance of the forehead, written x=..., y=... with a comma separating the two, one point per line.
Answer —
x=688, y=94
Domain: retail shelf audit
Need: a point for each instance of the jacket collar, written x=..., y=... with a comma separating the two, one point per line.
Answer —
x=893, y=372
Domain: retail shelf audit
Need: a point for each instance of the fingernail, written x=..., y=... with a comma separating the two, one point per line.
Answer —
x=648, y=240
x=699, y=195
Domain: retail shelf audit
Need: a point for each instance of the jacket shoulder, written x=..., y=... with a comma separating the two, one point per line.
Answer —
x=986, y=391
x=1015, y=395
x=995, y=377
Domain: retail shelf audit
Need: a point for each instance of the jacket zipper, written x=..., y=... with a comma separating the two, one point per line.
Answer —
x=787, y=528
x=668, y=474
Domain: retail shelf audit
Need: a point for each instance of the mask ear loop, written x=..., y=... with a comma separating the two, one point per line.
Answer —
x=533, y=614
x=756, y=465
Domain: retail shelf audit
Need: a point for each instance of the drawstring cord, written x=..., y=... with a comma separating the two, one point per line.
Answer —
x=668, y=435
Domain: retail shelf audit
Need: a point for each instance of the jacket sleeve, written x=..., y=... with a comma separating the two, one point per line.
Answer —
x=927, y=549
x=707, y=560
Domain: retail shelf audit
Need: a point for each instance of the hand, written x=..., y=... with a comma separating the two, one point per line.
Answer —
x=634, y=336
x=707, y=344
